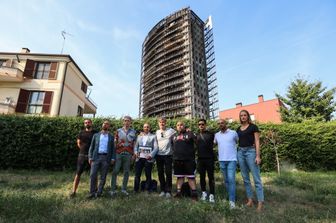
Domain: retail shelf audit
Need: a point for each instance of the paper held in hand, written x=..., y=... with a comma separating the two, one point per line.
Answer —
x=144, y=151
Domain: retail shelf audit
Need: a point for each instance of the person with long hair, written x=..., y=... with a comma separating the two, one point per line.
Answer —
x=249, y=158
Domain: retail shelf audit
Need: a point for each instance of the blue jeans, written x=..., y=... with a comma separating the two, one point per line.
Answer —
x=246, y=159
x=228, y=169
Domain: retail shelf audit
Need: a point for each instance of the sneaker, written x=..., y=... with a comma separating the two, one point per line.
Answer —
x=232, y=205
x=113, y=193
x=125, y=192
x=91, y=196
x=162, y=194
x=211, y=198
x=168, y=195
x=72, y=194
x=204, y=196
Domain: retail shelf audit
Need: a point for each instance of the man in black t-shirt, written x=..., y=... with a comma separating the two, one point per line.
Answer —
x=83, y=142
x=184, y=159
x=206, y=159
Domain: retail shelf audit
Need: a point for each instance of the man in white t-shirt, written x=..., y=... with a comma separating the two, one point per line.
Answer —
x=227, y=139
x=164, y=158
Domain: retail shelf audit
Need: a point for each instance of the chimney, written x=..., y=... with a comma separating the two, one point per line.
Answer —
x=238, y=105
x=260, y=98
x=25, y=50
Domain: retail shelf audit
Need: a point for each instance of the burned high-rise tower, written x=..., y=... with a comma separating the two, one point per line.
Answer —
x=178, y=77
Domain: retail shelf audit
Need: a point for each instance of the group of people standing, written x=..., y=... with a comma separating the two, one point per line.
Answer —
x=174, y=152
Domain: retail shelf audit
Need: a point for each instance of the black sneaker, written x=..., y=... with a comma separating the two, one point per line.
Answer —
x=91, y=196
x=72, y=194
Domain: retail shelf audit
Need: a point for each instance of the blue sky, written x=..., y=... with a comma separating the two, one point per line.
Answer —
x=260, y=45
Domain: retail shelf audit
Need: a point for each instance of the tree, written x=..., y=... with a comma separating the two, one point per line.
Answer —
x=273, y=138
x=305, y=100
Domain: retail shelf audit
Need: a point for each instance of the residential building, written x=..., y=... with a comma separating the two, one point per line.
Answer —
x=43, y=84
x=174, y=72
x=263, y=111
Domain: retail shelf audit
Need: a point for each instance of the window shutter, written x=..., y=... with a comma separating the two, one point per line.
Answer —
x=84, y=87
x=29, y=69
x=47, y=102
x=52, y=72
x=22, y=102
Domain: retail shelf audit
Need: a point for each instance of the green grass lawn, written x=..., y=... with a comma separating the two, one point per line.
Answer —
x=42, y=196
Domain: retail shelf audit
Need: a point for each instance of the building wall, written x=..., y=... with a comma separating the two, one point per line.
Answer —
x=12, y=89
x=265, y=111
x=73, y=96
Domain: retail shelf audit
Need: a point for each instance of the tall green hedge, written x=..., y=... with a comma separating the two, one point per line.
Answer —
x=50, y=143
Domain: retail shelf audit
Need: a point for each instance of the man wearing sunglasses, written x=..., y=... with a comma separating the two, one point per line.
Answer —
x=164, y=157
x=206, y=159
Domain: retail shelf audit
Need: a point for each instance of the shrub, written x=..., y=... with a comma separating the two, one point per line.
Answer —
x=50, y=143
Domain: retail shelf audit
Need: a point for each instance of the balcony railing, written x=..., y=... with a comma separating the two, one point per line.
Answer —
x=10, y=74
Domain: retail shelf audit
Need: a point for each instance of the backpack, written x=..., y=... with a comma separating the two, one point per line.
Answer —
x=152, y=186
x=185, y=190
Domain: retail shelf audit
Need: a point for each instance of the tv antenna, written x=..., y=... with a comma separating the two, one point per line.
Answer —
x=64, y=34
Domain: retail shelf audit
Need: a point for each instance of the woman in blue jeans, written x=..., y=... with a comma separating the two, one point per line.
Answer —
x=249, y=158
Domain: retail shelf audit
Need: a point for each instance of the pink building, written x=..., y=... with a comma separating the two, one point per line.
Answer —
x=263, y=111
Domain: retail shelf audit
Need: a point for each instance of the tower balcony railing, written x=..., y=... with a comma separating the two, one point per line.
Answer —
x=157, y=89
x=164, y=108
x=163, y=78
x=165, y=100
x=165, y=92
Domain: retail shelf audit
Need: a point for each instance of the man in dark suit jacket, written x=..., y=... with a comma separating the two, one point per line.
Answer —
x=101, y=154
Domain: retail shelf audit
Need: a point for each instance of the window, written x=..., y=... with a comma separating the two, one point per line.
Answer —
x=42, y=70
x=252, y=117
x=35, y=104
x=84, y=87
x=80, y=111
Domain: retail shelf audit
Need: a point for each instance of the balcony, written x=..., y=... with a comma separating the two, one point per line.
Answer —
x=90, y=107
x=10, y=74
x=7, y=106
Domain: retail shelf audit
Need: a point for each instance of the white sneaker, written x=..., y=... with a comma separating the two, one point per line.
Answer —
x=211, y=198
x=113, y=193
x=125, y=192
x=168, y=195
x=162, y=194
x=204, y=196
x=232, y=204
